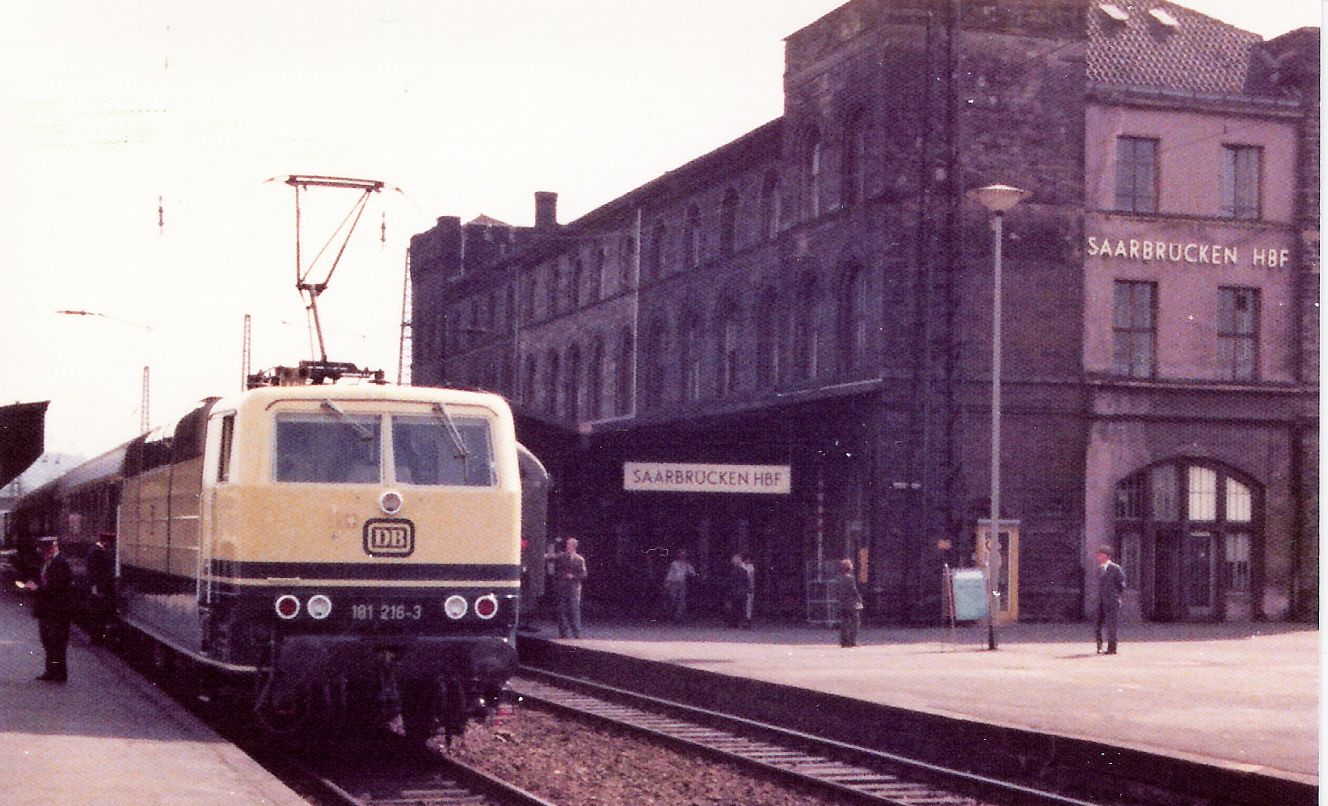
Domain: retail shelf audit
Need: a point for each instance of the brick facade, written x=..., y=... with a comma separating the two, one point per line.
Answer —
x=817, y=295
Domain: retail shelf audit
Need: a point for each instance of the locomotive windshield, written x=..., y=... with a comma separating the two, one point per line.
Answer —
x=335, y=448
x=426, y=451
x=341, y=448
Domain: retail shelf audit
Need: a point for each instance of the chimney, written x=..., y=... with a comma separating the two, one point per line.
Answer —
x=546, y=209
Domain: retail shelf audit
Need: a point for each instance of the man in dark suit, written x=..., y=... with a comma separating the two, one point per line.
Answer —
x=54, y=608
x=1110, y=586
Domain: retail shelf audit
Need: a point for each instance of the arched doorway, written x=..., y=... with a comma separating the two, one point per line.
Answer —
x=1187, y=534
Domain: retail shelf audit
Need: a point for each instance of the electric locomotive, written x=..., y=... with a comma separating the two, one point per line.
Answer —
x=345, y=552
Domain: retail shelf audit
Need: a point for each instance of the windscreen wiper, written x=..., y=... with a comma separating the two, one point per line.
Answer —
x=360, y=431
x=446, y=418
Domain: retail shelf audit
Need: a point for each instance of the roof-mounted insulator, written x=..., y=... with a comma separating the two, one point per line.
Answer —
x=1164, y=17
x=1113, y=11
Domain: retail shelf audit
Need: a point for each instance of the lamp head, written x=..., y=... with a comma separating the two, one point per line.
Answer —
x=998, y=198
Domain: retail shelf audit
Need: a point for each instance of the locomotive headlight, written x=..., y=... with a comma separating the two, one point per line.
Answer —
x=319, y=606
x=288, y=607
x=390, y=502
x=455, y=607
x=486, y=607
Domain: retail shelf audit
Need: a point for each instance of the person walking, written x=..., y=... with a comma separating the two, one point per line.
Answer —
x=738, y=590
x=569, y=571
x=1110, y=586
x=844, y=592
x=675, y=584
x=53, y=608
x=101, y=578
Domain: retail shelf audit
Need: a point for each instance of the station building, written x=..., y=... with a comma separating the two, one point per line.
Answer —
x=784, y=347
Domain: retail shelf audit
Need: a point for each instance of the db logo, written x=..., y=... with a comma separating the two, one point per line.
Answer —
x=389, y=537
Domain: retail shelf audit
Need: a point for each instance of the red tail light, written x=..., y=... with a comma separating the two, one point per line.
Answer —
x=288, y=607
x=486, y=607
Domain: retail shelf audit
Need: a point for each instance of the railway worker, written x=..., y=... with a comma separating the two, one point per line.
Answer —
x=101, y=579
x=675, y=584
x=844, y=592
x=53, y=609
x=1110, y=586
x=569, y=571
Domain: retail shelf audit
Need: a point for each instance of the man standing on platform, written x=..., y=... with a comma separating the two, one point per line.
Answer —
x=569, y=571
x=1110, y=586
x=844, y=592
x=53, y=609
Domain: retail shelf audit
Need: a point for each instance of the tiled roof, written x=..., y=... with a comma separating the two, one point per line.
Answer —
x=1197, y=54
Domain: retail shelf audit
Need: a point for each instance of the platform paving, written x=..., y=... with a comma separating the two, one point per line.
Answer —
x=1245, y=697
x=108, y=737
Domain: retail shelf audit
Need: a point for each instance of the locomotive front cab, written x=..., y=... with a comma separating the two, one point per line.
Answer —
x=365, y=538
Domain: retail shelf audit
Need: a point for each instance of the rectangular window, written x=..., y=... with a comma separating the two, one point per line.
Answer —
x=328, y=448
x=426, y=450
x=1202, y=503
x=1134, y=329
x=224, y=452
x=1242, y=168
x=1165, y=495
x=1238, y=333
x=1136, y=174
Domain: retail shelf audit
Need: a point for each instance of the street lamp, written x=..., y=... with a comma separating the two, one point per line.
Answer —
x=997, y=199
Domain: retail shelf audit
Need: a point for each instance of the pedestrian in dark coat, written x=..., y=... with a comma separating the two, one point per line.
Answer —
x=54, y=608
x=738, y=587
x=569, y=571
x=1110, y=586
x=844, y=592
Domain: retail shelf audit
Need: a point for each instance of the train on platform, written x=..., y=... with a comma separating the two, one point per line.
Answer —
x=341, y=553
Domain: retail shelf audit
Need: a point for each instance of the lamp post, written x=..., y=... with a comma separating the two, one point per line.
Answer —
x=997, y=199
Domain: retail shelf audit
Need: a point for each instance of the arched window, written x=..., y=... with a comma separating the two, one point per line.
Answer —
x=691, y=237
x=530, y=389
x=853, y=320
x=770, y=205
x=657, y=355
x=728, y=338
x=853, y=167
x=624, y=371
x=807, y=327
x=530, y=291
x=767, y=339
x=597, y=276
x=1187, y=534
x=572, y=407
x=594, y=383
x=555, y=278
x=811, y=170
x=551, y=383
x=576, y=284
x=655, y=255
x=690, y=335
x=626, y=263
x=728, y=222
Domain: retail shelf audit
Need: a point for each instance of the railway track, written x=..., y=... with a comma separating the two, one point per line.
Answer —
x=848, y=773
x=375, y=776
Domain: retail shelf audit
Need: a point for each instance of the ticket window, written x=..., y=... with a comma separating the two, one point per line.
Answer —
x=1004, y=565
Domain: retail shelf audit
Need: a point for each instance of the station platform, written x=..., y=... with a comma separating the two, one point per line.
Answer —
x=108, y=737
x=1241, y=697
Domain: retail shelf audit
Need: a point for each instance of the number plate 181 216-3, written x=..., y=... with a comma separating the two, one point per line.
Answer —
x=387, y=611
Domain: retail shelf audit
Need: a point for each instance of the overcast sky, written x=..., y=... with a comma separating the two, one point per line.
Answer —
x=462, y=108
